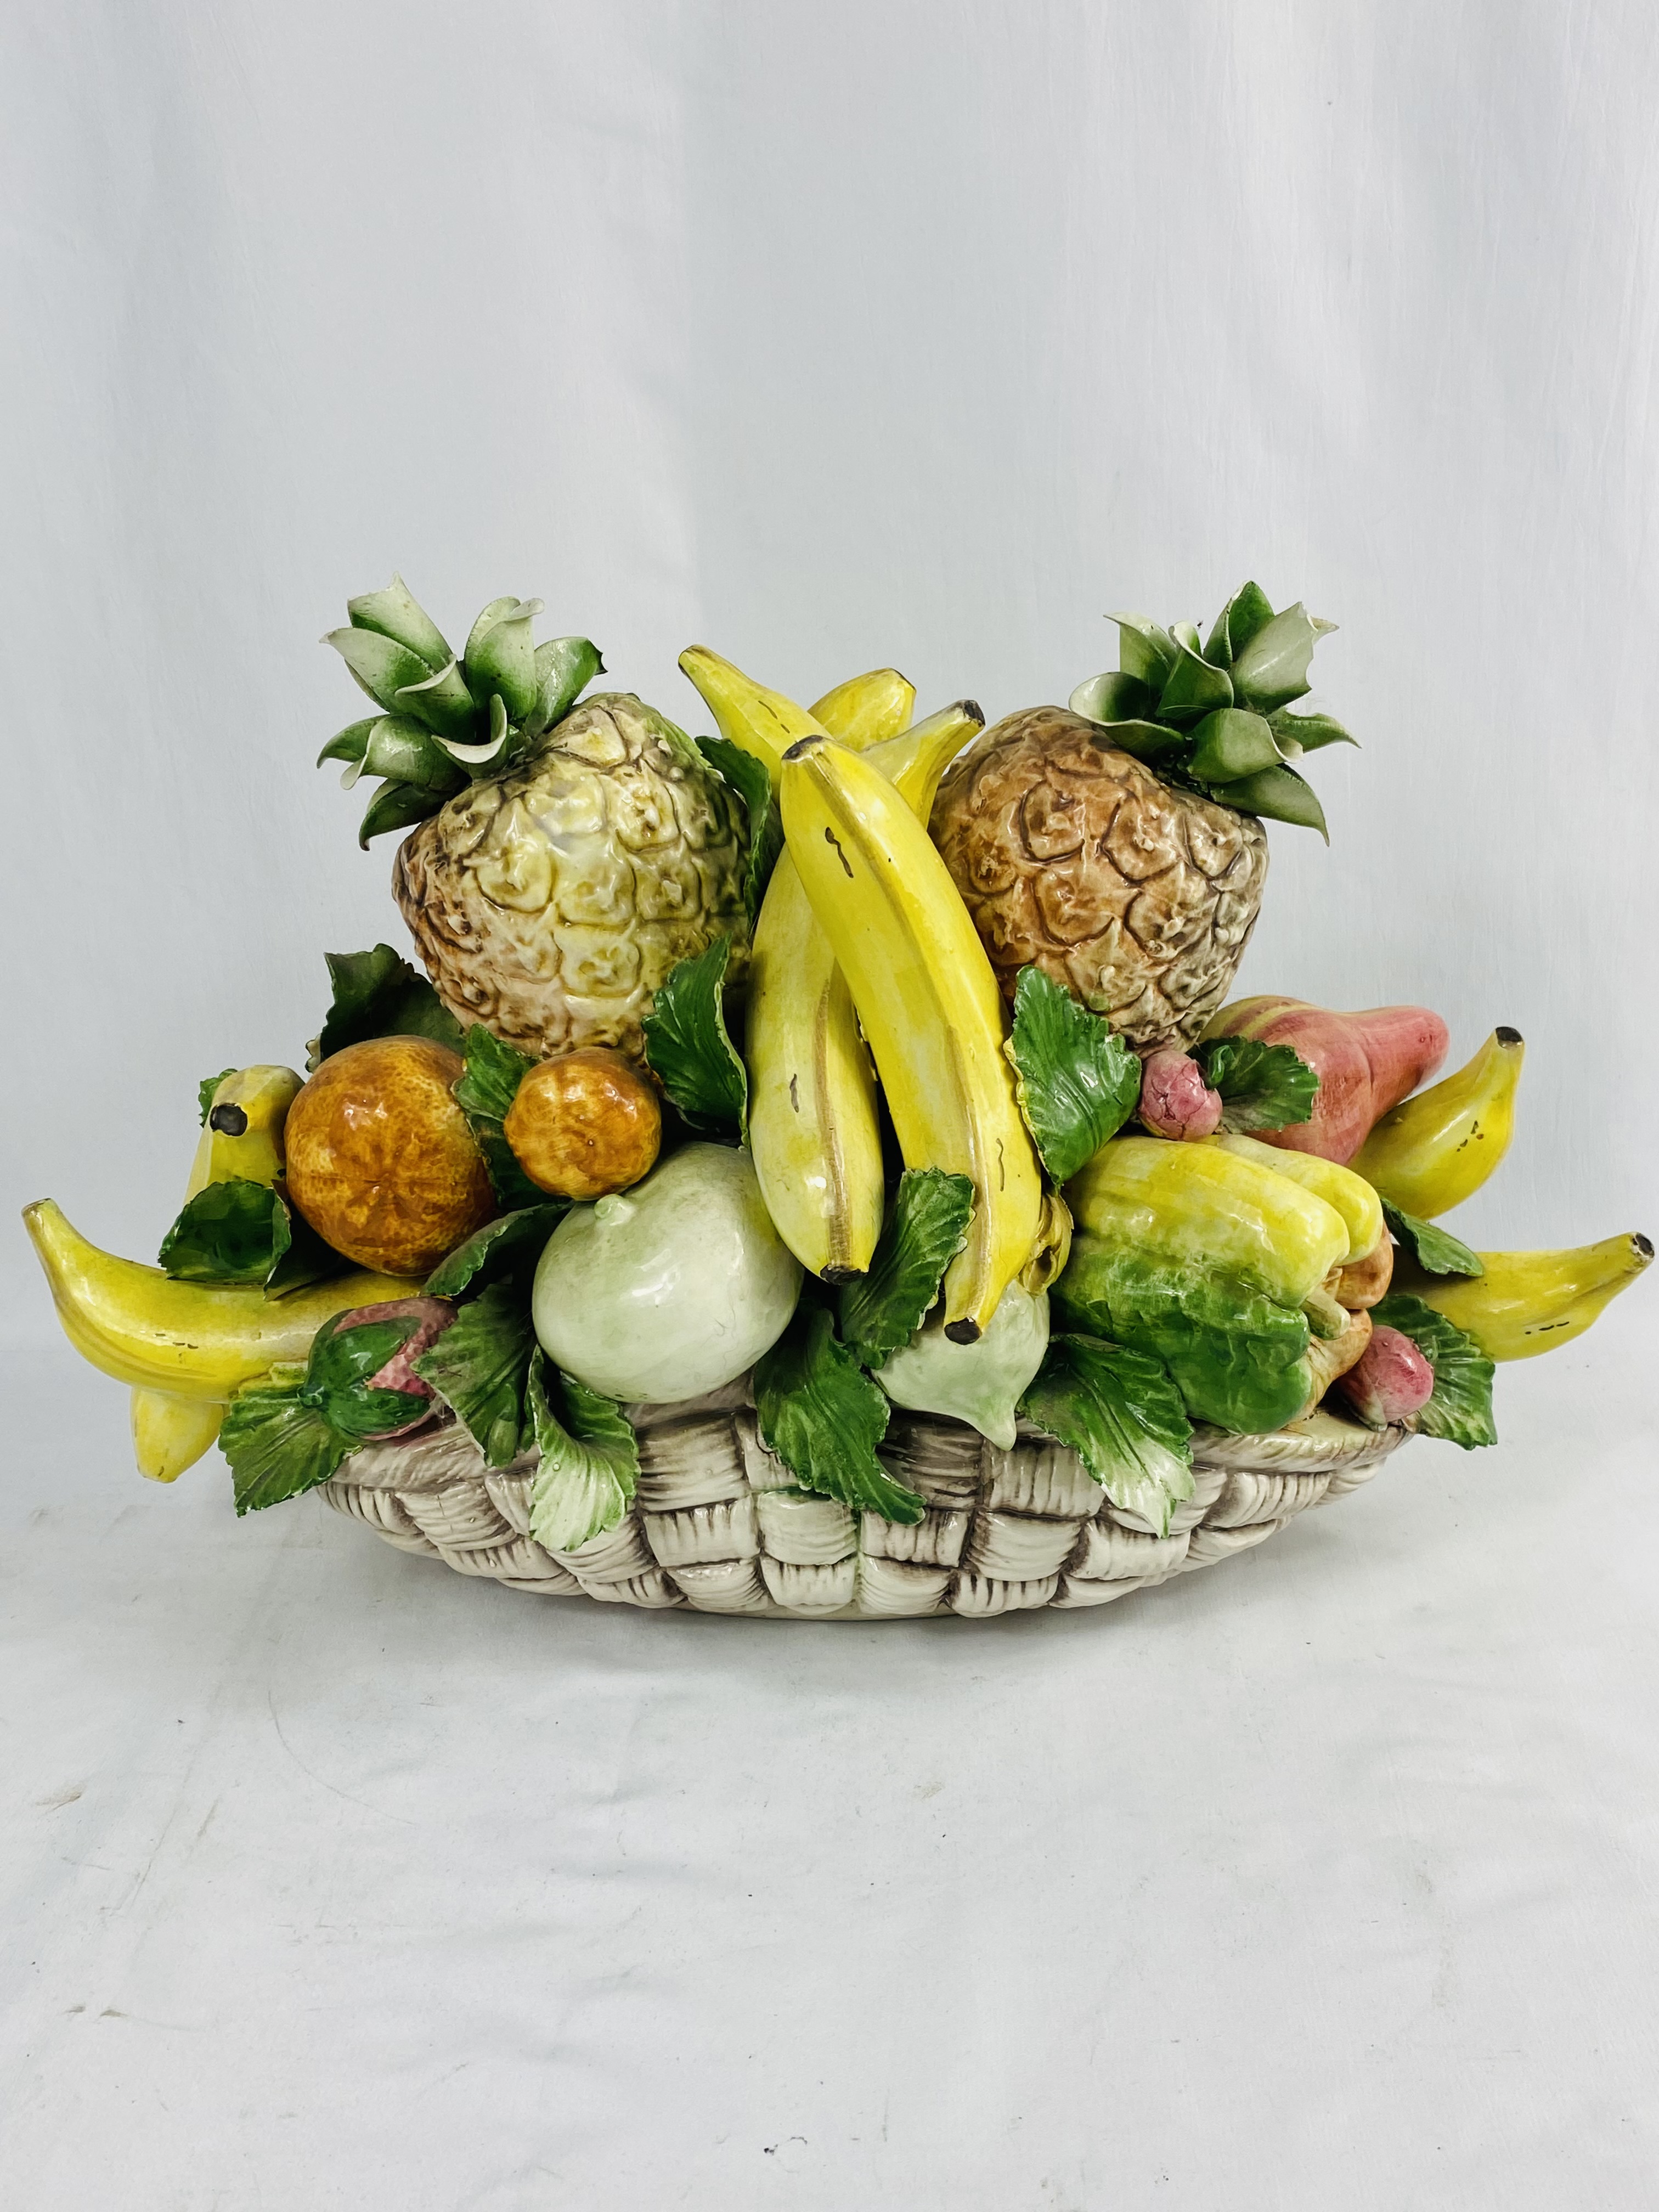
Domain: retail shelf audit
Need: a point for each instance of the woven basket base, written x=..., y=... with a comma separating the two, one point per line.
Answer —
x=719, y=1526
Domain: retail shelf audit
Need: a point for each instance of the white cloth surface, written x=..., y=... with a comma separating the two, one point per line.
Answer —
x=829, y=335
x=1319, y=1877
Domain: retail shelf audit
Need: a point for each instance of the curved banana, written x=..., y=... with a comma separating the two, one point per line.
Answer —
x=242, y=1137
x=1433, y=1151
x=758, y=722
x=864, y=709
x=1350, y=1194
x=927, y=1002
x=242, y=1140
x=1529, y=1301
x=914, y=761
x=187, y=1339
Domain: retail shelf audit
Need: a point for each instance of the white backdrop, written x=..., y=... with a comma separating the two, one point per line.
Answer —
x=829, y=337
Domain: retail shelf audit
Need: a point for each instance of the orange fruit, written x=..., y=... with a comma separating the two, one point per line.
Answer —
x=380, y=1159
x=584, y=1124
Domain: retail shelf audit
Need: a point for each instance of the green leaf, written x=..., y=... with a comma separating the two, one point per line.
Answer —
x=205, y=1089
x=1237, y=1357
x=380, y=665
x=820, y=1412
x=275, y=1445
x=565, y=666
x=1114, y=697
x=442, y=702
x=501, y=656
x=1277, y=794
x=1262, y=1087
x=689, y=1048
x=1121, y=1414
x=590, y=1459
x=1230, y=744
x=408, y=753
x=343, y=1357
x=351, y=744
x=1152, y=742
x=926, y=1226
x=501, y=1249
x=1077, y=1081
x=1272, y=670
x=1193, y=688
x=1144, y=649
x=1435, y=1250
x=395, y=806
x=1249, y=610
x=751, y=779
x=396, y=613
x=493, y=1071
x=478, y=1367
x=1306, y=733
x=1460, y=1412
x=377, y=994
x=231, y=1232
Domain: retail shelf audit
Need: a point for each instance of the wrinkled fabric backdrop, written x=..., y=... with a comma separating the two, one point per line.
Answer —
x=829, y=337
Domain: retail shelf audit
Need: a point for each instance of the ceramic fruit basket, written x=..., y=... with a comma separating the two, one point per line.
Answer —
x=820, y=1173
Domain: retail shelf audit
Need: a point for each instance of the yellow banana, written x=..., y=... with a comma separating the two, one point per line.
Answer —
x=864, y=709
x=758, y=722
x=813, y=1128
x=242, y=1140
x=1529, y=1301
x=187, y=1339
x=1200, y=1202
x=1352, y=1197
x=1430, y=1153
x=927, y=1002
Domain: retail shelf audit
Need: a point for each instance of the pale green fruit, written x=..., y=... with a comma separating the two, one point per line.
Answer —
x=670, y=1289
x=982, y=1382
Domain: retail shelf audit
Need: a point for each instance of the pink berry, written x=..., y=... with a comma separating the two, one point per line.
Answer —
x=1390, y=1381
x=1175, y=1100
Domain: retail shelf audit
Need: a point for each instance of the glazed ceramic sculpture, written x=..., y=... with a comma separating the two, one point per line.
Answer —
x=819, y=1175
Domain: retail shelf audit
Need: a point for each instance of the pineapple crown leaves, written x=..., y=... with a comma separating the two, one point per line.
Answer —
x=443, y=722
x=1216, y=717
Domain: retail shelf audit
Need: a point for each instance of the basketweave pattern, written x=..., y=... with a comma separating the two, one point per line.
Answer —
x=718, y=1526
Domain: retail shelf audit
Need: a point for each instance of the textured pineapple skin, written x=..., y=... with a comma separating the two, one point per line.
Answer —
x=550, y=903
x=1074, y=857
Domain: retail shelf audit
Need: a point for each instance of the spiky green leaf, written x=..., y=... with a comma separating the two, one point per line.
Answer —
x=824, y=1417
x=397, y=614
x=443, y=704
x=1308, y=733
x=1144, y=649
x=380, y=665
x=1230, y=744
x=565, y=666
x=395, y=806
x=926, y=1226
x=501, y=656
x=1077, y=1081
x=590, y=1459
x=1193, y=689
x=1121, y=1414
x=689, y=1047
x=1273, y=668
x=1277, y=794
x=1460, y=1412
x=1113, y=697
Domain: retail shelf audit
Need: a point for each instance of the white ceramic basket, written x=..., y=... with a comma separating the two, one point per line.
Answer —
x=720, y=1526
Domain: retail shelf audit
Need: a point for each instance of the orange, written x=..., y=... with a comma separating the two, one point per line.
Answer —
x=585, y=1124
x=380, y=1159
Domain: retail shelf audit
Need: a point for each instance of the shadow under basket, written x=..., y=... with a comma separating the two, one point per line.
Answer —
x=719, y=1525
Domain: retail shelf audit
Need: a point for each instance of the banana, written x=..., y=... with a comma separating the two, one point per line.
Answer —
x=186, y=1338
x=242, y=1140
x=1430, y=1153
x=1529, y=1301
x=927, y=1001
x=864, y=709
x=758, y=722
x=814, y=1131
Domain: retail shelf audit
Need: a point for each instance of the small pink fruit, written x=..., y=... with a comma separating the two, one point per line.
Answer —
x=1175, y=1100
x=1389, y=1381
x=434, y=1316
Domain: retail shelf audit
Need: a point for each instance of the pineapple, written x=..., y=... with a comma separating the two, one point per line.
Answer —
x=1119, y=846
x=566, y=857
